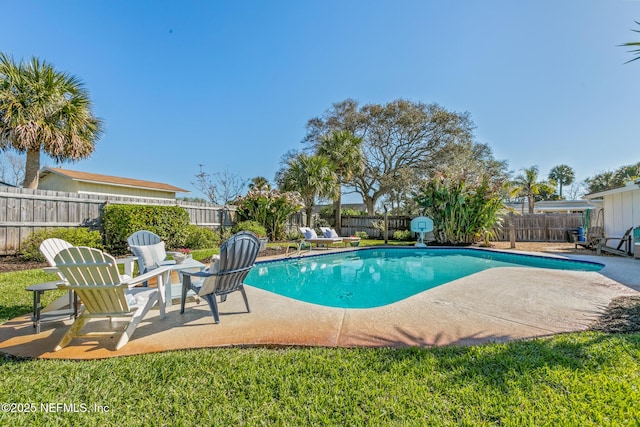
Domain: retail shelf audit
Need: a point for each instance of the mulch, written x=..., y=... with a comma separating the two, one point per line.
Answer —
x=10, y=263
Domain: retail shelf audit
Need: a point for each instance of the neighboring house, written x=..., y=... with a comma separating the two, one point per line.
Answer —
x=6, y=184
x=57, y=179
x=553, y=206
x=621, y=208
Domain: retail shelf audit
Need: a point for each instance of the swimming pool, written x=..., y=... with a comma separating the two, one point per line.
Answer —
x=373, y=277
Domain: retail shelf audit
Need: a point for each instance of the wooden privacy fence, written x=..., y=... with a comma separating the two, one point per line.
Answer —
x=551, y=227
x=528, y=227
x=351, y=224
x=23, y=211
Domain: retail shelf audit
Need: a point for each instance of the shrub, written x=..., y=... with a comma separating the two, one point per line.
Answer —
x=254, y=226
x=402, y=235
x=321, y=222
x=293, y=235
x=201, y=238
x=362, y=234
x=270, y=208
x=352, y=212
x=225, y=234
x=120, y=221
x=75, y=236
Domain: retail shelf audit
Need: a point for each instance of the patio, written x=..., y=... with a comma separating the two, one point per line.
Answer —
x=492, y=306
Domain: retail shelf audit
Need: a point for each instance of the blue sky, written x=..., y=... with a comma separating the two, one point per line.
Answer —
x=231, y=84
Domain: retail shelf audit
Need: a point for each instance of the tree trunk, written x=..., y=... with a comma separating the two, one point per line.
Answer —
x=337, y=214
x=32, y=169
x=370, y=203
x=532, y=202
x=309, y=213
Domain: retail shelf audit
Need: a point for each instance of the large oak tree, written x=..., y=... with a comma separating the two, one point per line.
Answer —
x=397, y=137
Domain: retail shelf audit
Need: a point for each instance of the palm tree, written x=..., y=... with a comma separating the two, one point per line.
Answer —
x=562, y=175
x=259, y=182
x=42, y=109
x=312, y=177
x=635, y=45
x=527, y=185
x=344, y=150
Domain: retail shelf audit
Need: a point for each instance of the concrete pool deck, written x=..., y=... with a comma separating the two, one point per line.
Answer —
x=495, y=305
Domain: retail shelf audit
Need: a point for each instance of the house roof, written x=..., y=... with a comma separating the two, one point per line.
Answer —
x=110, y=180
x=555, y=205
x=630, y=186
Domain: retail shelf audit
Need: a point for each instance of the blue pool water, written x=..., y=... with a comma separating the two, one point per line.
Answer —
x=375, y=277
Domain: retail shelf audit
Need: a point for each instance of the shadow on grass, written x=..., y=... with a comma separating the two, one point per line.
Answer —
x=499, y=364
x=10, y=312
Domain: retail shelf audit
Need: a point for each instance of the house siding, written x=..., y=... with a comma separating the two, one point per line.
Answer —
x=621, y=211
x=95, y=188
x=54, y=182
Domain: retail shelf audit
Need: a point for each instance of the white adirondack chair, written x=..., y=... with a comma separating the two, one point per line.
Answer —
x=50, y=248
x=94, y=276
x=148, y=248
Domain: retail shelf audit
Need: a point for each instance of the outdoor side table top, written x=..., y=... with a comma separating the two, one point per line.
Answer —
x=38, y=317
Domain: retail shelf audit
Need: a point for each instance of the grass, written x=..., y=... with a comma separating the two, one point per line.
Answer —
x=586, y=379
x=581, y=379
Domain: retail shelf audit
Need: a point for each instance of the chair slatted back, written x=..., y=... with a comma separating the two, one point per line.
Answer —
x=237, y=257
x=142, y=238
x=94, y=275
x=51, y=247
x=625, y=240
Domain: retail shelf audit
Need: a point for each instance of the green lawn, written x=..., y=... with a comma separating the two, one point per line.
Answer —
x=581, y=379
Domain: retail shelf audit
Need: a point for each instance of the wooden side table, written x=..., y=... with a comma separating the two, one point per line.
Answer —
x=52, y=315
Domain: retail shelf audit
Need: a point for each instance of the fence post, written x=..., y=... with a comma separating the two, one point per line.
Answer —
x=512, y=231
x=386, y=225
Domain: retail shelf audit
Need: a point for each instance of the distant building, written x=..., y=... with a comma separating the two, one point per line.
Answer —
x=553, y=206
x=57, y=179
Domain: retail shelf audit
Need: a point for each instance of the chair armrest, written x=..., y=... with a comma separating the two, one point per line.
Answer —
x=65, y=285
x=198, y=273
x=148, y=275
x=51, y=270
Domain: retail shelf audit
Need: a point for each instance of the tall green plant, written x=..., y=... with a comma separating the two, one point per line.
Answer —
x=269, y=207
x=461, y=213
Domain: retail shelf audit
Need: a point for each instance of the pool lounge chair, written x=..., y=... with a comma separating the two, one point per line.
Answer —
x=311, y=237
x=330, y=233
